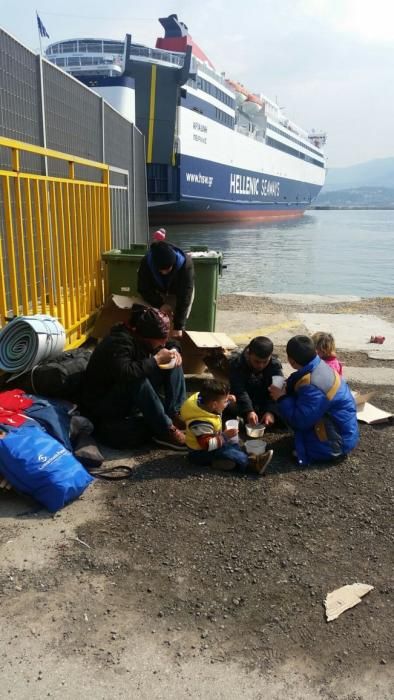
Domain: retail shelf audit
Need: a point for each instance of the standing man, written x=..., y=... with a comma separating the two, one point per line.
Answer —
x=123, y=379
x=166, y=281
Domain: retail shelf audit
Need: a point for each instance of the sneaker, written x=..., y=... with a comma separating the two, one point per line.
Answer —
x=174, y=439
x=259, y=466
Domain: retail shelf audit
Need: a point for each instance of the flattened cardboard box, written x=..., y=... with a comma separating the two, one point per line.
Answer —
x=367, y=412
x=199, y=344
x=116, y=309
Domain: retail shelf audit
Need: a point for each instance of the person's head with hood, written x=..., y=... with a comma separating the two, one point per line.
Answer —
x=151, y=326
x=163, y=257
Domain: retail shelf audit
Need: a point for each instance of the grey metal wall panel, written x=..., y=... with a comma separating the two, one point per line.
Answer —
x=64, y=115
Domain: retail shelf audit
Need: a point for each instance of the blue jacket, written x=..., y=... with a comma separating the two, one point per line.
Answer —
x=321, y=410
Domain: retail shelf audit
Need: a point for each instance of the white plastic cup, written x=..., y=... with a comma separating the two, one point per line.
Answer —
x=233, y=423
x=278, y=381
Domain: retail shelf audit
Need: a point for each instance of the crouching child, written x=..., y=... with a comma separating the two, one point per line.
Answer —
x=208, y=444
x=318, y=404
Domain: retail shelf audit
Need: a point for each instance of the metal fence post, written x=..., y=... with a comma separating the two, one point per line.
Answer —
x=42, y=109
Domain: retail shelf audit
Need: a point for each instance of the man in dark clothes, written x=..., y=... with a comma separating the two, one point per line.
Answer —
x=251, y=374
x=166, y=281
x=123, y=377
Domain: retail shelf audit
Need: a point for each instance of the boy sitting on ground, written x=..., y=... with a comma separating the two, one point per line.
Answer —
x=251, y=375
x=317, y=404
x=209, y=445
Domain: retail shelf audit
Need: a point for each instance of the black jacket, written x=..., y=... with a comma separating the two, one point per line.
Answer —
x=251, y=388
x=180, y=284
x=120, y=359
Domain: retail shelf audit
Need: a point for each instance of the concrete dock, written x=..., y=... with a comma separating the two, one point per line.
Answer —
x=350, y=319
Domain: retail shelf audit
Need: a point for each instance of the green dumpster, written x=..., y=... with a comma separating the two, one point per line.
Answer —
x=207, y=267
x=122, y=268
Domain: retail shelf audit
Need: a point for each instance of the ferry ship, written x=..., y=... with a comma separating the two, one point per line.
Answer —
x=215, y=151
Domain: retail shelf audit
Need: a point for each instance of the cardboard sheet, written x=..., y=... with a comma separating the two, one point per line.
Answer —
x=344, y=598
x=116, y=309
x=197, y=345
x=367, y=413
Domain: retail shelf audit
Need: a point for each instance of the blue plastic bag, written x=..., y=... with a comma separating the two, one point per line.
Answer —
x=38, y=465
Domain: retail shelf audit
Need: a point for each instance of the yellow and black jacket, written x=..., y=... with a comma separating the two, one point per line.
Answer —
x=203, y=429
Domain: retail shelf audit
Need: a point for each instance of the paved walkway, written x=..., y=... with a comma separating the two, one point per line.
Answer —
x=352, y=331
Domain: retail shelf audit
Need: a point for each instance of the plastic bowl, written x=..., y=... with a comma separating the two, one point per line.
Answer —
x=169, y=365
x=255, y=447
x=255, y=431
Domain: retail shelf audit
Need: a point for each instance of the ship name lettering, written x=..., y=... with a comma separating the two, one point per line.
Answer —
x=270, y=188
x=244, y=184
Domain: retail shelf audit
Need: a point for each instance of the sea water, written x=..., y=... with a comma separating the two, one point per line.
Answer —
x=323, y=252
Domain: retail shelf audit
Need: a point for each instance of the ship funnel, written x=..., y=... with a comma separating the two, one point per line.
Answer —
x=173, y=27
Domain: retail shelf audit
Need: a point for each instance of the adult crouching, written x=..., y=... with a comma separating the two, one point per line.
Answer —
x=123, y=380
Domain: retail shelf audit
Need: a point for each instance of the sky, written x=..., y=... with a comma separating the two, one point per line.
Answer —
x=328, y=63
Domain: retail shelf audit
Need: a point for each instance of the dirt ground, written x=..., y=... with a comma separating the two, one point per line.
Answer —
x=219, y=570
x=181, y=583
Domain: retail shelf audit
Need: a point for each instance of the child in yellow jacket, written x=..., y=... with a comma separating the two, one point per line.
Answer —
x=208, y=444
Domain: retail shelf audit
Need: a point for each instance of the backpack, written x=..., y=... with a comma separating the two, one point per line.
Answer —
x=61, y=377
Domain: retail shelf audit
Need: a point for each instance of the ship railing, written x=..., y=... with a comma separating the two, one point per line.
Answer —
x=53, y=230
x=158, y=55
x=204, y=68
x=86, y=61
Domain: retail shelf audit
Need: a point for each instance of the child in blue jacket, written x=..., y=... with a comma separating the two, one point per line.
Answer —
x=317, y=404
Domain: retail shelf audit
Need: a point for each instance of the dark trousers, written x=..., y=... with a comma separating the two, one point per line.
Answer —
x=158, y=398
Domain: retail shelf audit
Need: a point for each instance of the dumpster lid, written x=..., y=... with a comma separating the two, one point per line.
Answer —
x=205, y=254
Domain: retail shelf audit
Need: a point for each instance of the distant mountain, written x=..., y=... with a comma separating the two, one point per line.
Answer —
x=373, y=173
x=374, y=197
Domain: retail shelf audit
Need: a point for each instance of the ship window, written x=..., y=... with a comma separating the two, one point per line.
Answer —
x=95, y=47
x=68, y=47
x=60, y=61
x=83, y=46
x=113, y=47
x=292, y=138
x=292, y=151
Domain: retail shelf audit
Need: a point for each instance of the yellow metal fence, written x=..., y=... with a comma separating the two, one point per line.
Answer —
x=52, y=233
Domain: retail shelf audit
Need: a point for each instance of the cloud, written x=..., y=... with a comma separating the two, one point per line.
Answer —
x=370, y=21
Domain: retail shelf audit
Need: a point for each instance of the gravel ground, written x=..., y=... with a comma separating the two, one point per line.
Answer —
x=225, y=569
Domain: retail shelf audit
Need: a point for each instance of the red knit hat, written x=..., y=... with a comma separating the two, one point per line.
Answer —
x=159, y=235
x=152, y=323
